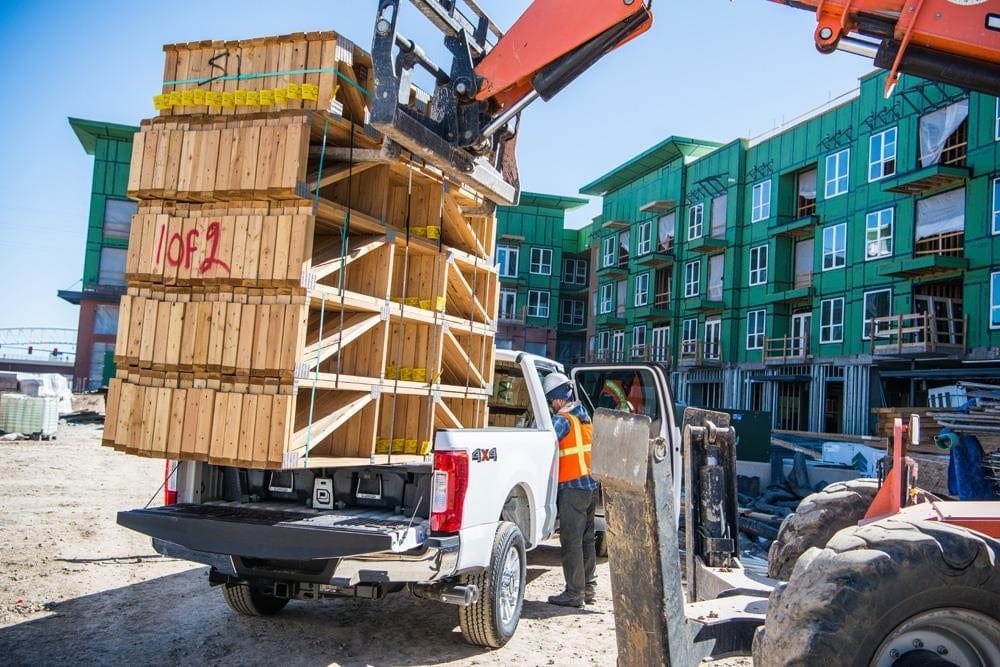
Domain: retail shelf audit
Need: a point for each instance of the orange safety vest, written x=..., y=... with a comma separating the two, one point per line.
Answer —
x=574, y=449
x=617, y=393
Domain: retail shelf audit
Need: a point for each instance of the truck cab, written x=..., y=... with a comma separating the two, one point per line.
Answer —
x=454, y=528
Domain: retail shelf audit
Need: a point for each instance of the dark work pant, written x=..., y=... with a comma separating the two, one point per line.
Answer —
x=576, y=537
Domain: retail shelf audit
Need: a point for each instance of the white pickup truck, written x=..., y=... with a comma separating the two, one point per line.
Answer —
x=454, y=529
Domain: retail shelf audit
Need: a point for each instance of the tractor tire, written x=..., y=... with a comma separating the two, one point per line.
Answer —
x=492, y=619
x=815, y=521
x=894, y=592
x=247, y=601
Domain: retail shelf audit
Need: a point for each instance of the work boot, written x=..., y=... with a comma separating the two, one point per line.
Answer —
x=567, y=599
x=590, y=594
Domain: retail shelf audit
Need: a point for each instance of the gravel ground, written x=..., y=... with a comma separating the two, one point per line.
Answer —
x=77, y=588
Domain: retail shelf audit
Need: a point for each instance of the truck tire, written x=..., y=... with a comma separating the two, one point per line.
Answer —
x=897, y=591
x=247, y=601
x=601, y=543
x=815, y=521
x=492, y=619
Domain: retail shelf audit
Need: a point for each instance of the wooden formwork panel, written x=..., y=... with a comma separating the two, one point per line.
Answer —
x=296, y=71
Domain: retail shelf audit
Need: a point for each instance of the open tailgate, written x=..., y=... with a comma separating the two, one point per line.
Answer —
x=238, y=529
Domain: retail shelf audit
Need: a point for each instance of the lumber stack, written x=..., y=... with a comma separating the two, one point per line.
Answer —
x=929, y=426
x=300, y=292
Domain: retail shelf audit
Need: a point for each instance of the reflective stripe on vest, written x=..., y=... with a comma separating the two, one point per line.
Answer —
x=616, y=393
x=574, y=450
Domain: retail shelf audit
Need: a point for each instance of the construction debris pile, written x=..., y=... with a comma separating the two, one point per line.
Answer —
x=299, y=289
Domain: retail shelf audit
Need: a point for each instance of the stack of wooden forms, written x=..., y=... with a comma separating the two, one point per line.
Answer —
x=929, y=427
x=300, y=292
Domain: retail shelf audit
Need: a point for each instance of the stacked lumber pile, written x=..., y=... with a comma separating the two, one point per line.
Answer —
x=300, y=291
x=932, y=420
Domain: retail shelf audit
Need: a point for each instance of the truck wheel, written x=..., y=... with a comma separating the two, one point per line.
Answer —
x=815, y=521
x=247, y=601
x=492, y=619
x=894, y=592
x=601, y=543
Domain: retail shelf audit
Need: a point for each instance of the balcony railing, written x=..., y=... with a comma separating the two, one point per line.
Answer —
x=661, y=299
x=786, y=349
x=948, y=244
x=517, y=316
x=646, y=353
x=917, y=334
x=802, y=280
x=699, y=353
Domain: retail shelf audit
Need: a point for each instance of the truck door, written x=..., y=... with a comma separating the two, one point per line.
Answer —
x=640, y=389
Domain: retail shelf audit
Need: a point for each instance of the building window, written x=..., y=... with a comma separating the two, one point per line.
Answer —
x=118, y=217
x=877, y=304
x=112, y=269
x=720, y=206
x=645, y=244
x=664, y=278
x=623, y=246
x=831, y=320
x=618, y=344
x=575, y=271
x=761, y=209
x=690, y=331
x=541, y=349
x=940, y=225
x=572, y=312
x=882, y=155
x=661, y=344
x=98, y=356
x=996, y=135
x=538, y=303
x=607, y=297
x=756, y=320
x=639, y=341
x=996, y=205
x=610, y=257
x=805, y=203
x=105, y=320
x=995, y=300
x=642, y=289
x=508, y=304
x=878, y=234
x=665, y=233
x=758, y=265
x=603, y=343
x=507, y=261
x=541, y=261
x=696, y=221
x=835, y=246
x=837, y=166
x=692, y=278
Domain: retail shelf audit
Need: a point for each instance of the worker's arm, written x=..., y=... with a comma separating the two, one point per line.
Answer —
x=561, y=426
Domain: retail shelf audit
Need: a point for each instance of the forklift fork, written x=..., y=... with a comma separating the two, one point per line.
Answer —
x=653, y=623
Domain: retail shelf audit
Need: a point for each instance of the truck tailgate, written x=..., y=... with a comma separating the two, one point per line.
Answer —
x=271, y=530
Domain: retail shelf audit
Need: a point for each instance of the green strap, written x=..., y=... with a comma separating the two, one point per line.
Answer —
x=261, y=75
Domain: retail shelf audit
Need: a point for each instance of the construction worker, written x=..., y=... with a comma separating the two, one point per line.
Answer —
x=577, y=498
x=614, y=396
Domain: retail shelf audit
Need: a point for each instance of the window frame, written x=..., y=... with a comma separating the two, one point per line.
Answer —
x=645, y=291
x=760, y=208
x=994, y=295
x=883, y=159
x=759, y=317
x=574, y=319
x=508, y=252
x=824, y=328
x=688, y=292
x=543, y=268
x=104, y=274
x=609, y=250
x=574, y=275
x=996, y=206
x=837, y=178
x=607, y=298
x=864, y=311
x=110, y=201
x=644, y=246
x=538, y=304
x=833, y=253
x=696, y=211
x=645, y=340
x=878, y=229
x=507, y=292
x=759, y=270
x=684, y=328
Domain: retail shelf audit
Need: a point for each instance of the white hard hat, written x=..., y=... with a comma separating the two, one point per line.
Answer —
x=555, y=381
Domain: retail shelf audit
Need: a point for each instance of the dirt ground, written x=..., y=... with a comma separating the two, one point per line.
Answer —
x=77, y=588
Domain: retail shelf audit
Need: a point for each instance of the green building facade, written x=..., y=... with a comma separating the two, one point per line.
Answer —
x=543, y=278
x=108, y=224
x=847, y=262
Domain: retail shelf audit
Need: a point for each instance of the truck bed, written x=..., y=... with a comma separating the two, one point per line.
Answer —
x=278, y=530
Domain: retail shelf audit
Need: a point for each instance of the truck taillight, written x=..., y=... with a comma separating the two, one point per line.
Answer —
x=170, y=483
x=448, y=486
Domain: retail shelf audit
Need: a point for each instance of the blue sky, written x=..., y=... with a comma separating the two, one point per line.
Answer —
x=708, y=69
